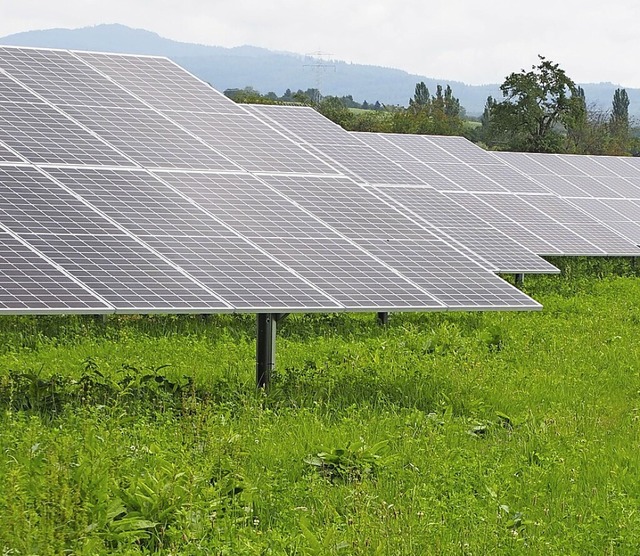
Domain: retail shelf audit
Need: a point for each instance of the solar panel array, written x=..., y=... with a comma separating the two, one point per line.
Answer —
x=129, y=185
x=606, y=188
x=501, y=214
x=395, y=182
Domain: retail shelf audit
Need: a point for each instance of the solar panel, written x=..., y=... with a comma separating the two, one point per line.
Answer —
x=304, y=123
x=420, y=148
x=608, y=198
x=621, y=166
x=28, y=283
x=251, y=143
x=371, y=167
x=43, y=135
x=150, y=139
x=241, y=274
x=32, y=203
x=349, y=274
x=462, y=225
x=63, y=79
x=160, y=83
x=238, y=272
x=369, y=220
x=158, y=200
x=442, y=272
x=6, y=155
x=11, y=91
x=125, y=273
x=348, y=207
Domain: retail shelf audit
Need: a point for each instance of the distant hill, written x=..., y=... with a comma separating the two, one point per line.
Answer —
x=266, y=70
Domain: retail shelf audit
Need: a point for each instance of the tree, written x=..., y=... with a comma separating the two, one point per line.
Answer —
x=440, y=114
x=335, y=109
x=421, y=97
x=537, y=106
x=619, y=122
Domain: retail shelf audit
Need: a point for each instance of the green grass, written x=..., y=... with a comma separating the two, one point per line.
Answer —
x=469, y=433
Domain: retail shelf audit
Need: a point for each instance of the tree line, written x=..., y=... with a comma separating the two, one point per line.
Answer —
x=541, y=110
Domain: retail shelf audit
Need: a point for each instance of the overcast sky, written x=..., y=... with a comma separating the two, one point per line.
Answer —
x=475, y=41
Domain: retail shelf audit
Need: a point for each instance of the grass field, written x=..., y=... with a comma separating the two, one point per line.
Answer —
x=468, y=433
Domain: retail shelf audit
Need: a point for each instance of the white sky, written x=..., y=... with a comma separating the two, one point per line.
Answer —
x=474, y=41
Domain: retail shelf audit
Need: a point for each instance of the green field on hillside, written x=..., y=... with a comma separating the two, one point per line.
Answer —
x=458, y=433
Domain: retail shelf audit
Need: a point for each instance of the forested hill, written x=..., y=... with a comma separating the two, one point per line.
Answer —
x=266, y=70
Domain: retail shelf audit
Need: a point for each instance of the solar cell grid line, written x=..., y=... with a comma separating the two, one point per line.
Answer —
x=507, y=224
x=8, y=156
x=449, y=276
x=588, y=165
x=150, y=139
x=139, y=202
x=537, y=221
x=420, y=148
x=251, y=143
x=556, y=164
x=12, y=91
x=306, y=123
x=464, y=149
x=159, y=82
x=349, y=208
x=591, y=186
x=468, y=178
x=243, y=275
x=365, y=220
x=350, y=274
x=62, y=79
x=247, y=205
x=160, y=217
x=427, y=177
x=463, y=226
x=622, y=165
x=41, y=134
x=385, y=144
x=125, y=273
x=559, y=185
x=627, y=207
x=508, y=178
x=264, y=222
x=600, y=209
x=622, y=187
x=367, y=165
x=30, y=284
x=30, y=202
x=626, y=228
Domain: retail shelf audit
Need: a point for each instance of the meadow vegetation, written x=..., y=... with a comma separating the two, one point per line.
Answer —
x=458, y=433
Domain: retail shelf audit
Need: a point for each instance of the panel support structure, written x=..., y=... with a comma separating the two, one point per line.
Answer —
x=519, y=280
x=383, y=318
x=266, y=347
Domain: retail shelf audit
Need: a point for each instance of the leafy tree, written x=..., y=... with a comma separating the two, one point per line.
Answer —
x=537, y=107
x=335, y=109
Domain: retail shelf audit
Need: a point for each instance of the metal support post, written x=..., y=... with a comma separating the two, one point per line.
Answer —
x=383, y=318
x=266, y=347
x=519, y=280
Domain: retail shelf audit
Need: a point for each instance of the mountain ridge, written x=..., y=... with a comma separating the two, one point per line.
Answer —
x=267, y=70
